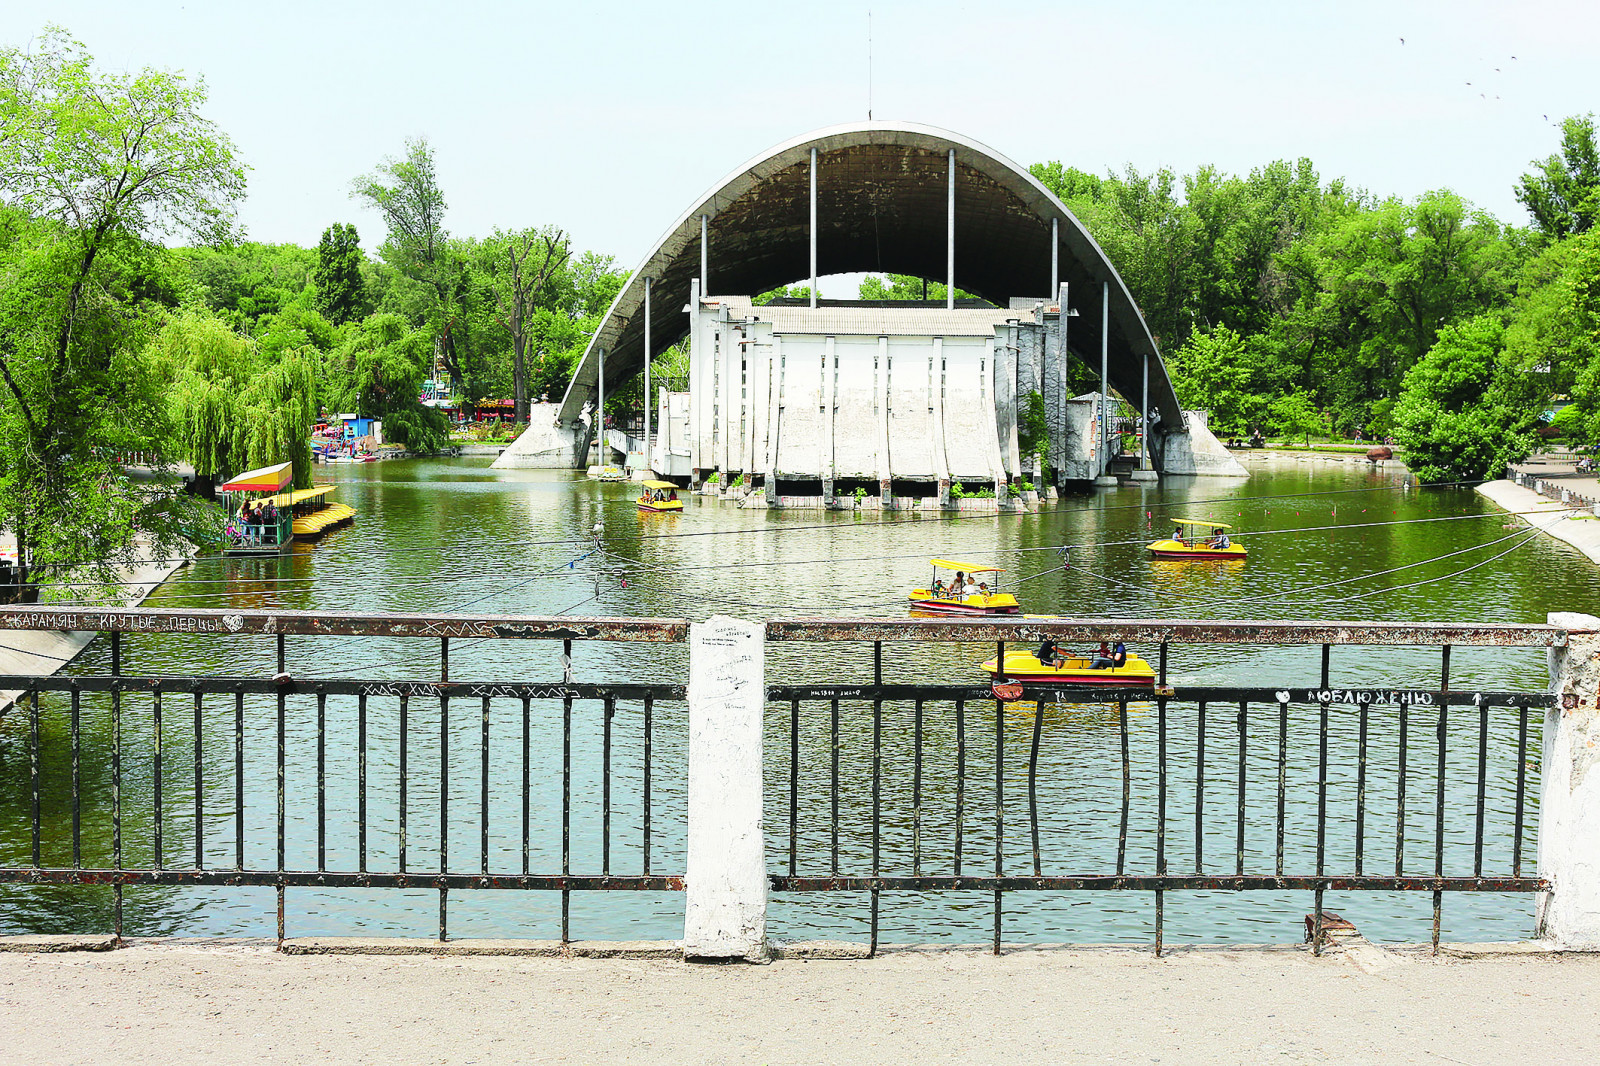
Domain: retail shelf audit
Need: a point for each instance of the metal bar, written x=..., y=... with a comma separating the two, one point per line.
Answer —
x=361, y=782
x=999, y=775
x=322, y=781
x=351, y=879
x=483, y=789
x=961, y=776
x=916, y=791
x=609, y=710
x=1283, y=765
x=444, y=784
x=794, y=785
x=811, y=231
x=1483, y=787
x=282, y=901
x=1152, y=883
x=1200, y=788
x=1161, y=794
x=527, y=753
x=116, y=785
x=950, y=244
x=1238, y=846
x=1147, y=631
x=877, y=792
x=1322, y=808
x=705, y=254
x=238, y=780
x=156, y=784
x=1105, y=375
x=648, y=711
x=1033, y=782
x=199, y=786
x=1127, y=786
x=647, y=398
x=32, y=700
x=833, y=745
x=1400, y=794
x=566, y=802
x=77, y=784
x=405, y=776
x=1438, y=818
x=1361, y=787
x=1522, y=782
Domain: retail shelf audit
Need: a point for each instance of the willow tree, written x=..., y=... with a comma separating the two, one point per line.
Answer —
x=94, y=168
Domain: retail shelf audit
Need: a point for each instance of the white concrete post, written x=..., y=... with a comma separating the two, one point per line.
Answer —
x=705, y=253
x=1055, y=259
x=950, y=239
x=648, y=466
x=1569, y=799
x=600, y=406
x=725, y=910
x=813, y=227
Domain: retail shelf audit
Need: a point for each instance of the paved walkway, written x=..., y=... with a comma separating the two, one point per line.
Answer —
x=175, y=1004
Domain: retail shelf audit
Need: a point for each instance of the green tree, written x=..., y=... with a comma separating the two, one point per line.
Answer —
x=521, y=265
x=903, y=287
x=338, y=278
x=93, y=167
x=1294, y=414
x=1563, y=195
x=1217, y=371
x=379, y=369
x=1452, y=417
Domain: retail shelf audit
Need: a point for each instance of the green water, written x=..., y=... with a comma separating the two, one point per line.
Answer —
x=456, y=536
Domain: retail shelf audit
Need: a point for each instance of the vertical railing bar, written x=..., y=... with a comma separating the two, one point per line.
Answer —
x=1361, y=788
x=361, y=782
x=116, y=782
x=877, y=787
x=1322, y=806
x=1161, y=795
x=1127, y=786
x=527, y=780
x=1200, y=788
x=961, y=777
x=999, y=792
x=77, y=816
x=1238, y=844
x=405, y=755
x=833, y=817
x=483, y=790
x=916, y=791
x=238, y=779
x=1400, y=792
x=283, y=657
x=794, y=786
x=608, y=710
x=444, y=790
x=1283, y=779
x=1522, y=782
x=1033, y=783
x=156, y=786
x=322, y=780
x=649, y=706
x=1438, y=818
x=566, y=793
x=31, y=698
x=1483, y=786
x=199, y=786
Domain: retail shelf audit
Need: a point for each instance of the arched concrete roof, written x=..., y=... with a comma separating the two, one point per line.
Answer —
x=881, y=207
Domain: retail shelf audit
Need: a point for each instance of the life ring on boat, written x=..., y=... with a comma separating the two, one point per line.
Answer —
x=1119, y=655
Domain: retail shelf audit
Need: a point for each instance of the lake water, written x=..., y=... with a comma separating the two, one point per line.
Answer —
x=1327, y=541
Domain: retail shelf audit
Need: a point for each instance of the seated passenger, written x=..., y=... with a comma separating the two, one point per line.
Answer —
x=1050, y=655
x=1219, y=538
x=1101, y=659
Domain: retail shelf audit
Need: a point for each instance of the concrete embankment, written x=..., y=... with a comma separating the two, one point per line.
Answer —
x=1577, y=526
x=176, y=1003
x=44, y=651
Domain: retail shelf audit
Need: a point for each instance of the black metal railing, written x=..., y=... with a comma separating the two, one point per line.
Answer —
x=178, y=776
x=1221, y=745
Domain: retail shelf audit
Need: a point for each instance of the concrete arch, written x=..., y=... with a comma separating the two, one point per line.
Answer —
x=882, y=202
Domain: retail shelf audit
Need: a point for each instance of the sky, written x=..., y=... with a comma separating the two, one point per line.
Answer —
x=611, y=119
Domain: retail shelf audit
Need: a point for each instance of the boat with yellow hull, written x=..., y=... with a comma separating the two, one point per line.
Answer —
x=313, y=514
x=659, y=497
x=1194, y=544
x=949, y=598
x=1025, y=667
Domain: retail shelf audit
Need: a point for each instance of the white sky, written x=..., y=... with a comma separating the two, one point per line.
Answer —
x=610, y=119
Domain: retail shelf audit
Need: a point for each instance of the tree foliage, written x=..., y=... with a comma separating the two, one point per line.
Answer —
x=1563, y=195
x=338, y=278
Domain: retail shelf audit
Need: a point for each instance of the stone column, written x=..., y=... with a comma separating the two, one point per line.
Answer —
x=1569, y=801
x=725, y=908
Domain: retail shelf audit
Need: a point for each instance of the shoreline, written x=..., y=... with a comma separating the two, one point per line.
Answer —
x=1566, y=523
x=43, y=652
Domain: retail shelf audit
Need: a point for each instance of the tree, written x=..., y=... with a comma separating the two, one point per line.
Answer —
x=1293, y=414
x=93, y=167
x=380, y=367
x=523, y=265
x=1563, y=195
x=1217, y=371
x=1451, y=417
x=338, y=276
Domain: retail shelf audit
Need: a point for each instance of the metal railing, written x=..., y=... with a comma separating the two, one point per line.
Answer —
x=996, y=774
x=345, y=842
x=1555, y=490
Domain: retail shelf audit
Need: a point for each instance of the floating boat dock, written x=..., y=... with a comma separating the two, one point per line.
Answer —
x=313, y=514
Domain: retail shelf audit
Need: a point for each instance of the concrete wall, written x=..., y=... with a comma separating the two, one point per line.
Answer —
x=1196, y=452
x=545, y=445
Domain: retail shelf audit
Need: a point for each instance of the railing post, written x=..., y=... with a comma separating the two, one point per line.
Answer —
x=1569, y=803
x=725, y=912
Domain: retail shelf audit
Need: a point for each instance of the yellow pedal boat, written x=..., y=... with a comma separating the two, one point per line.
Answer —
x=1193, y=543
x=1025, y=666
x=953, y=597
x=659, y=497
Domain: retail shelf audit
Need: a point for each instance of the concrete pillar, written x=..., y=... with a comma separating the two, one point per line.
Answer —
x=725, y=881
x=950, y=238
x=705, y=253
x=600, y=406
x=881, y=393
x=813, y=227
x=1569, y=799
x=1143, y=472
x=1055, y=258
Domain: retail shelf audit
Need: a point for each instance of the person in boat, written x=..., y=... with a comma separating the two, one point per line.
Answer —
x=1050, y=655
x=954, y=589
x=1219, y=538
x=1109, y=658
x=1177, y=535
x=983, y=589
x=672, y=494
x=969, y=590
